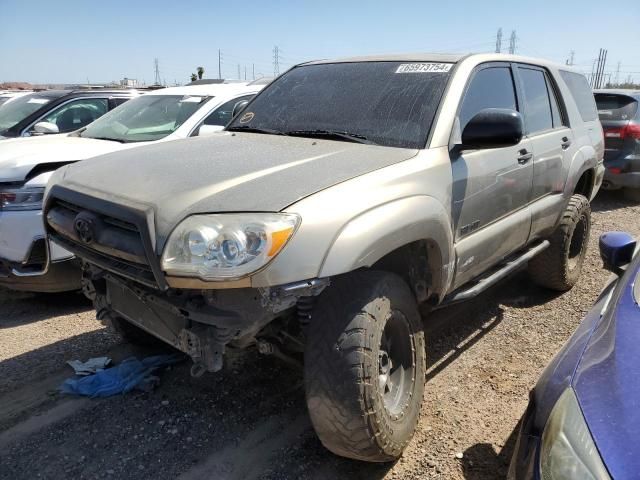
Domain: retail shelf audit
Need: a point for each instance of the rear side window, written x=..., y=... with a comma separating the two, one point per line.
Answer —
x=616, y=107
x=490, y=88
x=537, y=112
x=582, y=94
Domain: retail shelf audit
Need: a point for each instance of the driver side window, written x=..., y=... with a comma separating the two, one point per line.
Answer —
x=76, y=114
x=490, y=88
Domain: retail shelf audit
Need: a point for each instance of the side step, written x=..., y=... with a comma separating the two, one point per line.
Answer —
x=480, y=285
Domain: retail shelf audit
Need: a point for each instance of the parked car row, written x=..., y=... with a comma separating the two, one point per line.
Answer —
x=316, y=217
x=27, y=260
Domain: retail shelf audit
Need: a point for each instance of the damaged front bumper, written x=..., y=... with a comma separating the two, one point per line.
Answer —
x=200, y=323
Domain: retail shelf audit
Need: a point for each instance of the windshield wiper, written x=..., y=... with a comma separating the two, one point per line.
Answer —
x=247, y=128
x=108, y=139
x=334, y=134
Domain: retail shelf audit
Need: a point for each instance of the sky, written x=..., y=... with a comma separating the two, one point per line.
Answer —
x=71, y=41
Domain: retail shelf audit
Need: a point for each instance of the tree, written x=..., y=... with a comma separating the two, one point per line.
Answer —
x=200, y=72
x=194, y=77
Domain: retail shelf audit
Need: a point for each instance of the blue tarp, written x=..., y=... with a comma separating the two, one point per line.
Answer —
x=129, y=374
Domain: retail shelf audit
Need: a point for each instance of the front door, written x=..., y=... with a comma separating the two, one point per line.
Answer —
x=491, y=187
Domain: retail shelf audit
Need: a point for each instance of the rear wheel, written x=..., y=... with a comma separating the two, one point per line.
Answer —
x=559, y=266
x=365, y=366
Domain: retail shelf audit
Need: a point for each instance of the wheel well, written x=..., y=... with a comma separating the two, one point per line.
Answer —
x=585, y=184
x=419, y=263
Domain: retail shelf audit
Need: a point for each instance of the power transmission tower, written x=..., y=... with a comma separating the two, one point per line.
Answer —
x=499, y=40
x=618, y=74
x=219, y=65
x=156, y=68
x=512, y=42
x=276, y=61
x=571, y=56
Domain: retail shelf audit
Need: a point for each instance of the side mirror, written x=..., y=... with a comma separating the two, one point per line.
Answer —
x=616, y=250
x=238, y=107
x=43, y=128
x=209, y=129
x=493, y=128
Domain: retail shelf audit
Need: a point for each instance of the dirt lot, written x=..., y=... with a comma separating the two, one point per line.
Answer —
x=249, y=421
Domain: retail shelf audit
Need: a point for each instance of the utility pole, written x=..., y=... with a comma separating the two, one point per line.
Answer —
x=571, y=56
x=512, y=42
x=219, y=65
x=618, y=74
x=239, y=76
x=276, y=61
x=253, y=70
x=156, y=68
x=245, y=72
x=499, y=40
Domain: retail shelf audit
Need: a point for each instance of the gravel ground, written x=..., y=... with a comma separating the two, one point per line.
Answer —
x=249, y=421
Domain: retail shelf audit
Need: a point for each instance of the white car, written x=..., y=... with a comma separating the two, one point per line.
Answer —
x=27, y=261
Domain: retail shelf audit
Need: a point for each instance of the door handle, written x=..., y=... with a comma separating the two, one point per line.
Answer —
x=566, y=143
x=525, y=156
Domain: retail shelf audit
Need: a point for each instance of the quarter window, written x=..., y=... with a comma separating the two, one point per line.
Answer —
x=490, y=88
x=537, y=113
x=582, y=94
x=223, y=114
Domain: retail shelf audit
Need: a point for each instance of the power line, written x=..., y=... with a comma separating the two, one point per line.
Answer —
x=499, y=40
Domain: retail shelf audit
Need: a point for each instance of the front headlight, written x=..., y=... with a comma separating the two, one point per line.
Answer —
x=226, y=246
x=568, y=451
x=19, y=199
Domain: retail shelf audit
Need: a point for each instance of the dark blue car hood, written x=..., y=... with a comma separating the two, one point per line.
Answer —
x=607, y=380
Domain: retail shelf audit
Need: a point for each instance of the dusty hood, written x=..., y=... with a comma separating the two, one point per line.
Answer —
x=224, y=173
x=19, y=156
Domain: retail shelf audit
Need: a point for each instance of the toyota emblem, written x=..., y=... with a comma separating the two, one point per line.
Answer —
x=84, y=229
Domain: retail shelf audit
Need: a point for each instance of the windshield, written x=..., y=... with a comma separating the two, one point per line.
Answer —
x=145, y=118
x=385, y=103
x=20, y=108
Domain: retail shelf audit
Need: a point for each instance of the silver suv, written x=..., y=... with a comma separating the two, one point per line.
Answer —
x=345, y=194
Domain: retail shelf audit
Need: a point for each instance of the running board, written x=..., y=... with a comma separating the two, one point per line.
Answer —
x=483, y=283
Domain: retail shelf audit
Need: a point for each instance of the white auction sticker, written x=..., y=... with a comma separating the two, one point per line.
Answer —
x=40, y=101
x=424, y=68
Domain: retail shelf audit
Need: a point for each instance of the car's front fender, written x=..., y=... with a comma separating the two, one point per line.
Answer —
x=370, y=236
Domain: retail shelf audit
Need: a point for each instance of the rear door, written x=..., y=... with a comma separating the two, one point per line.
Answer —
x=617, y=114
x=551, y=142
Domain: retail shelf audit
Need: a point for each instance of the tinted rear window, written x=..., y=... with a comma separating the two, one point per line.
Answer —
x=389, y=103
x=616, y=107
x=582, y=94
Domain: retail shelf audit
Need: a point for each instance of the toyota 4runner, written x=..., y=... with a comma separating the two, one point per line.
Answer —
x=347, y=193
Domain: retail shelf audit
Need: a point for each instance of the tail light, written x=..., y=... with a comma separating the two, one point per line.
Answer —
x=615, y=170
x=630, y=131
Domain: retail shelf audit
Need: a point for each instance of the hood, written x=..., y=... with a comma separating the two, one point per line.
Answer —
x=607, y=380
x=239, y=172
x=19, y=156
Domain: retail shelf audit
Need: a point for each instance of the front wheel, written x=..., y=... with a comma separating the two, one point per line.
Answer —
x=559, y=266
x=365, y=365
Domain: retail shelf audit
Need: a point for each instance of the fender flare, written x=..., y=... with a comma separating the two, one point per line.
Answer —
x=583, y=160
x=368, y=237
